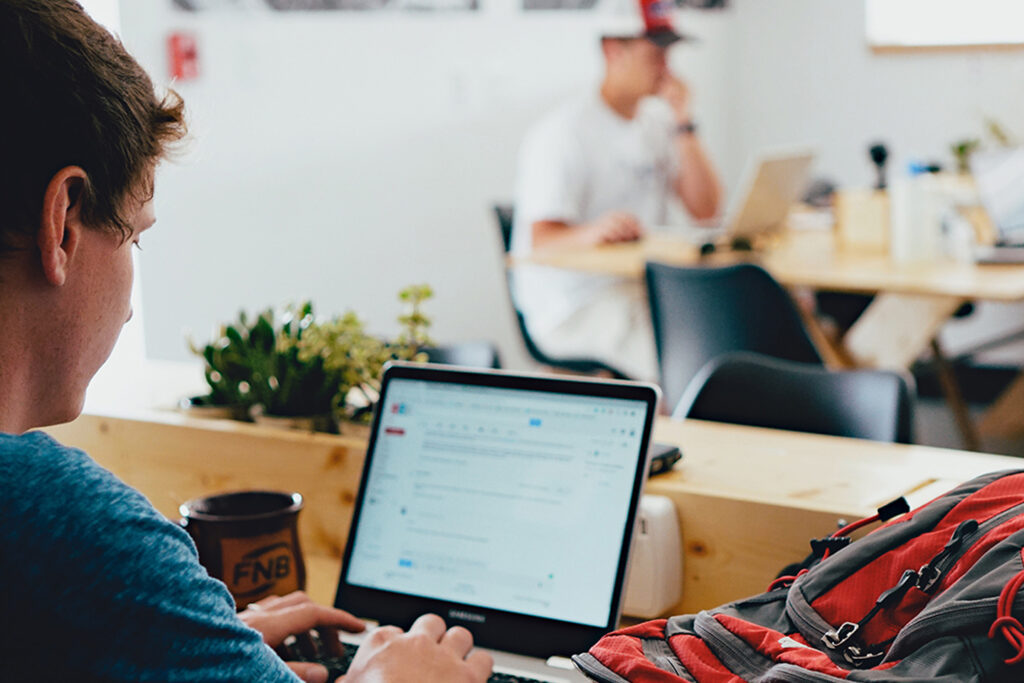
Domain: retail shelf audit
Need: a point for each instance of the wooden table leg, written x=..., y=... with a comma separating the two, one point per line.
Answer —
x=955, y=399
x=896, y=329
x=1005, y=418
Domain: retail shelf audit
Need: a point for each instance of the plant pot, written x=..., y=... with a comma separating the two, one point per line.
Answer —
x=196, y=406
x=305, y=423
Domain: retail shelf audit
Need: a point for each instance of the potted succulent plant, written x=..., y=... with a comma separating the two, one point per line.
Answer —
x=226, y=369
x=295, y=371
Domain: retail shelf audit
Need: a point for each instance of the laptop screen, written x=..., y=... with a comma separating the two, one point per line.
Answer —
x=999, y=176
x=503, y=502
x=492, y=496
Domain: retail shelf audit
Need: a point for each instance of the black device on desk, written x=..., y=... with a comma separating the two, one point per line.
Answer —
x=663, y=457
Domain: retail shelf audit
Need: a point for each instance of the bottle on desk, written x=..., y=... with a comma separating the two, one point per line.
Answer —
x=916, y=208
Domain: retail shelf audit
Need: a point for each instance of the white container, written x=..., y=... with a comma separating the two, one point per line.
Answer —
x=916, y=206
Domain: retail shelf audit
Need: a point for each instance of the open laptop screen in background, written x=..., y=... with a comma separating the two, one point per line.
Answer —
x=999, y=175
x=498, y=498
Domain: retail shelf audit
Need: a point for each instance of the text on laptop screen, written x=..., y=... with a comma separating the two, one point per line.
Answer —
x=503, y=498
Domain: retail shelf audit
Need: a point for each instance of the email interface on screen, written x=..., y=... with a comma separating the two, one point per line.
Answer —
x=503, y=498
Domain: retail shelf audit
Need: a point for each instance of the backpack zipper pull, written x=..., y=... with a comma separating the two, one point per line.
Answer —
x=843, y=637
x=896, y=593
x=930, y=574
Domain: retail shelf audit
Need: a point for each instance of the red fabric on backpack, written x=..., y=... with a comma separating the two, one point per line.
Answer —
x=770, y=643
x=935, y=594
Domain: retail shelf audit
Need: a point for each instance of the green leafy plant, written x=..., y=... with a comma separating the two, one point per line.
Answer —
x=962, y=151
x=294, y=365
x=228, y=358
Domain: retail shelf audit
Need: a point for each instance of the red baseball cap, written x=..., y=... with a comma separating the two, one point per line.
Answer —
x=650, y=19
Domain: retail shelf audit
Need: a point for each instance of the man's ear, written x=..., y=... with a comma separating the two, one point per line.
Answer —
x=60, y=227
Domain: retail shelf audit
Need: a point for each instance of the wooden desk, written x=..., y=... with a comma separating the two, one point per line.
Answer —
x=913, y=300
x=807, y=259
x=749, y=499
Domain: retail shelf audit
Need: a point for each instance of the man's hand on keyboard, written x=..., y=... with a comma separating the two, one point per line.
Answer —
x=427, y=653
x=292, y=617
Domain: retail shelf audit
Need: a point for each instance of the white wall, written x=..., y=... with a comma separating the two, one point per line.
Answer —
x=341, y=156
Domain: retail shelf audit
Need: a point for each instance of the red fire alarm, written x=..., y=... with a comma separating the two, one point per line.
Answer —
x=183, y=56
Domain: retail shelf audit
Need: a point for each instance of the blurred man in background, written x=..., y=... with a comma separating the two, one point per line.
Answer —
x=603, y=170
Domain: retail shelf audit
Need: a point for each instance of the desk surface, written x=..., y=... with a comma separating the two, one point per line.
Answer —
x=748, y=499
x=805, y=258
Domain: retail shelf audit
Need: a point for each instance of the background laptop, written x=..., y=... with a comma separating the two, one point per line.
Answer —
x=503, y=502
x=771, y=185
x=999, y=176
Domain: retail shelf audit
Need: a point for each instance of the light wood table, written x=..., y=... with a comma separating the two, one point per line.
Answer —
x=748, y=499
x=912, y=301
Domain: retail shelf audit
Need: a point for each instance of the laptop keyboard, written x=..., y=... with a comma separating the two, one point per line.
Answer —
x=337, y=666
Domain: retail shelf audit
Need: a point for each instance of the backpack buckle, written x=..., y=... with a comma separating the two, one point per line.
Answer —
x=838, y=637
x=856, y=656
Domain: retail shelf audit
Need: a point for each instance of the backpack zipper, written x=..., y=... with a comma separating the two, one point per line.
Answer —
x=960, y=617
x=959, y=544
x=931, y=573
x=844, y=639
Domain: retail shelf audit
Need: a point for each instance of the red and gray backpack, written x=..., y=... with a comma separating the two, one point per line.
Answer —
x=929, y=596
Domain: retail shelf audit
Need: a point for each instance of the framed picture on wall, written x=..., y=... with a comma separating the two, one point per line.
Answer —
x=600, y=5
x=327, y=5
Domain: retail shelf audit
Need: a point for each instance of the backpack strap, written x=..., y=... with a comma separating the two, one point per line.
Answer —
x=1006, y=624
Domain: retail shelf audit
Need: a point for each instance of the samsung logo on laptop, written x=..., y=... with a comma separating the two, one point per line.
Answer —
x=463, y=615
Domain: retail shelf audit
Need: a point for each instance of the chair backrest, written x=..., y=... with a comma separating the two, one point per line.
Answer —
x=700, y=313
x=752, y=389
x=473, y=354
x=505, y=214
x=506, y=219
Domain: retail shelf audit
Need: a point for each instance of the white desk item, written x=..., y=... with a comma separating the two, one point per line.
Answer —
x=655, y=581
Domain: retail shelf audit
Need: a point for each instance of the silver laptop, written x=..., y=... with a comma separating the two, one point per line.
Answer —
x=503, y=502
x=772, y=183
x=999, y=176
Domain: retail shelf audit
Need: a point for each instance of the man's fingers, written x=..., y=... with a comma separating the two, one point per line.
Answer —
x=457, y=640
x=381, y=635
x=330, y=638
x=278, y=624
x=293, y=598
x=310, y=615
x=481, y=664
x=309, y=672
x=430, y=625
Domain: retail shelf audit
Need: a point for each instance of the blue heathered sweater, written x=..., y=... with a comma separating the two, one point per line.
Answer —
x=98, y=585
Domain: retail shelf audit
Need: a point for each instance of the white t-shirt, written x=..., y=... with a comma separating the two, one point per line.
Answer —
x=578, y=163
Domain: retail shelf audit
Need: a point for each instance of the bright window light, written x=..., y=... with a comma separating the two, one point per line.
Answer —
x=939, y=23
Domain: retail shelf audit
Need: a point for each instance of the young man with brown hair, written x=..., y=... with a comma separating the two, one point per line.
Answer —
x=96, y=584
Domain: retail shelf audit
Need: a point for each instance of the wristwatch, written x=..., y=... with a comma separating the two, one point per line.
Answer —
x=686, y=128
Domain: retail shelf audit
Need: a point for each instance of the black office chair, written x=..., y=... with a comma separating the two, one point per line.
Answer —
x=760, y=391
x=701, y=313
x=473, y=354
x=505, y=214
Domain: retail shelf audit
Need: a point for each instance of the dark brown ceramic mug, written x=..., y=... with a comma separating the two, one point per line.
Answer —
x=249, y=540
